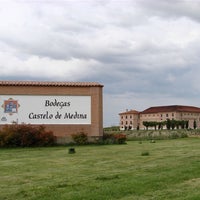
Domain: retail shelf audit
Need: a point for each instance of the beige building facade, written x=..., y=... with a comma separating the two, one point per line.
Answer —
x=133, y=119
x=129, y=120
x=65, y=108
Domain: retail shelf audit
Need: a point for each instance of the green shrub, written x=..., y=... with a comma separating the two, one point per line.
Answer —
x=80, y=138
x=157, y=135
x=145, y=153
x=25, y=135
x=111, y=138
x=120, y=138
x=71, y=150
x=108, y=138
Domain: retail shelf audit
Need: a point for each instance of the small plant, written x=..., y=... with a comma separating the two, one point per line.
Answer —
x=71, y=150
x=80, y=138
x=145, y=153
x=120, y=138
x=107, y=178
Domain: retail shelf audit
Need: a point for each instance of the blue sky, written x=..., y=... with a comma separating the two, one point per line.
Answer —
x=145, y=53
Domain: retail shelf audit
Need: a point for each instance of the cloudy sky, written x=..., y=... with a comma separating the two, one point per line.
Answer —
x=145, y=52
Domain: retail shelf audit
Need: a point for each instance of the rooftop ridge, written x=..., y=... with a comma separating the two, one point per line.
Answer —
x=50, y=83
x=130, y=112
x=171, y=108
x=167, y=108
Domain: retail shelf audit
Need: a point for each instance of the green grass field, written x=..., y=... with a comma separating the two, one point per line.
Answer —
x=107, y=172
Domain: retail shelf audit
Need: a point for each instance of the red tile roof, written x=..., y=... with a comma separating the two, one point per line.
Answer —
x=50, y=83
x=129, y=112
x=171, y=108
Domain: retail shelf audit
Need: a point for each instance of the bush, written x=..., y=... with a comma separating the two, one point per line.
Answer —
x=80, y=138
x=71, y=150
x=120, y=138
x=111, y=138
x=108, y=138
x=145, y=153
x=157, y=135
x=24, y=135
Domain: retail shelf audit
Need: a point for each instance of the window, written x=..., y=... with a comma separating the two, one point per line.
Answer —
x=167, y=115
x=172, y=114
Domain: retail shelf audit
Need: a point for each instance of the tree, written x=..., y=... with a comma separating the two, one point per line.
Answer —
x=195, y=124
x=186, y=124
x=182, y=123
x=154, y=124
x=168, y=124
x=146, y=124
x=173, y=124
x=178, y=124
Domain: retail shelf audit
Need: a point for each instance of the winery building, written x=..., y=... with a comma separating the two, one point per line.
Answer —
x=65, y=108
x=132, y=119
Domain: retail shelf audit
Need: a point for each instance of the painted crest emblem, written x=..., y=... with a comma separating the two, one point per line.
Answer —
x=10, y=106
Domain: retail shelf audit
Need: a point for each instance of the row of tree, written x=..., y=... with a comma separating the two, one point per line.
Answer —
x=170, y=124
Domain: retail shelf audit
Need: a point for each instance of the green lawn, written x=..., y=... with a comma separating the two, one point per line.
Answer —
x=109, y=172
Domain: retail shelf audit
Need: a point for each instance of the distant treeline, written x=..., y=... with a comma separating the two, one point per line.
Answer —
x=112, y=128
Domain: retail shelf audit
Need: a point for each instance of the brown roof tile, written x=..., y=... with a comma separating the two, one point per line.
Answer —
x=171, y=108
x=50, y=83
x=129, y=112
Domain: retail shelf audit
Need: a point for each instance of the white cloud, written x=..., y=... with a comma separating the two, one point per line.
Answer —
x=144, y=52
x=172, y=8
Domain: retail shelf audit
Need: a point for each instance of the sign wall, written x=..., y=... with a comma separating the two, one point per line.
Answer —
x=40, y=109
